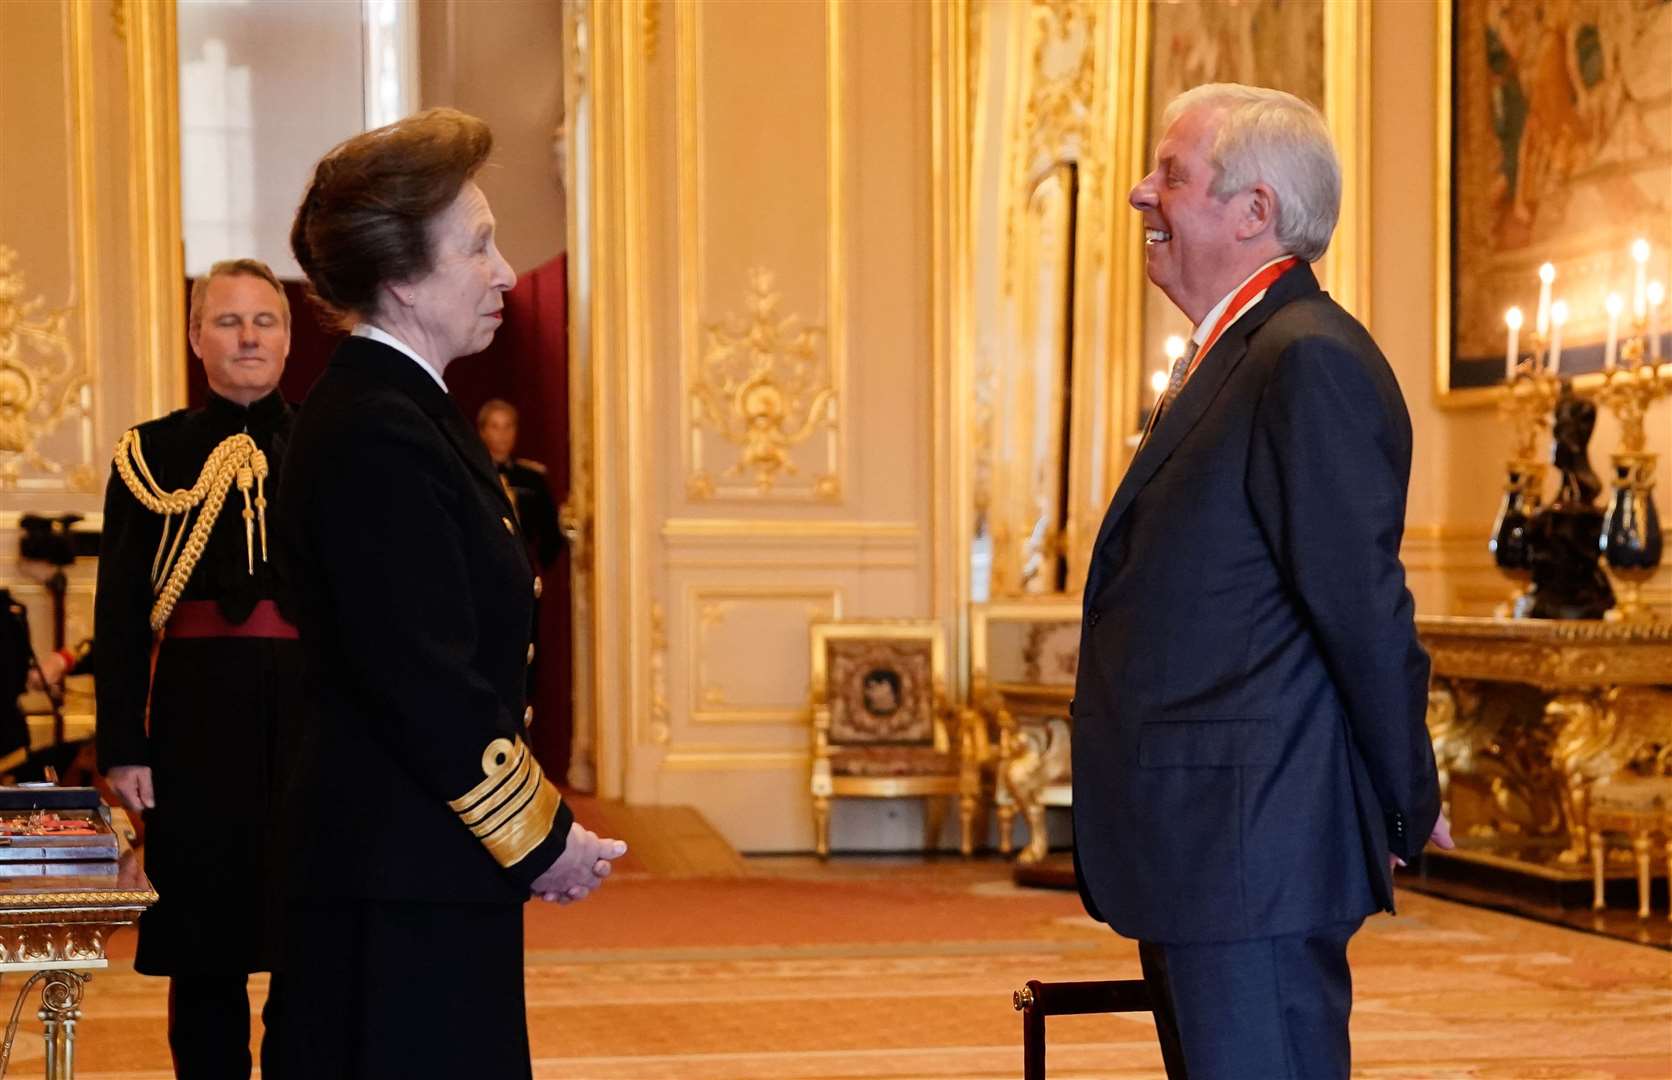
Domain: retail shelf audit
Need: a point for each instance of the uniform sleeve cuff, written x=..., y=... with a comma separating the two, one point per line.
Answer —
x=515, y=809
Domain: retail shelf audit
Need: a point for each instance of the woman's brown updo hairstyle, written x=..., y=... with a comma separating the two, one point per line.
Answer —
x=365, y=218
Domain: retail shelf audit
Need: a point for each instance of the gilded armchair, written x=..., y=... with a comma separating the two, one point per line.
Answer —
x=883, y=728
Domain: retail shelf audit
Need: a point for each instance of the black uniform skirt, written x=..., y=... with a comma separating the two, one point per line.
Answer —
x=398, y=990
x=223, y=739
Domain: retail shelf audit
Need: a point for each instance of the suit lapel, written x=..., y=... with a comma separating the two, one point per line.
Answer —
x=378, y=358
x=1192, y=404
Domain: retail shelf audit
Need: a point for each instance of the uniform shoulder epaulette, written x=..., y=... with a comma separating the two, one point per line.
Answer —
x=236, y=460
x=531, y=464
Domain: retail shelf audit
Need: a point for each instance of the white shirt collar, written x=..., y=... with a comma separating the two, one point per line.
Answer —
x=1212, y=317
x=367, y=330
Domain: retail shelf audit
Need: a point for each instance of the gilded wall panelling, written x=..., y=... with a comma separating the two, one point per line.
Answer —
x=614, y=407
x=154, y=200
x=650, y=21
x=43, y=385
x=49, y=440
x=580, y=510
x=787, y=530
x=955, y=37
x=661, y=731
x=735, y=759
x=756, y=388
x=762, y=386
x=1038, y=476
x=748, y=650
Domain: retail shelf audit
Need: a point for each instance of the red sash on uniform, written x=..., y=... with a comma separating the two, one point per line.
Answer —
x=203, y=619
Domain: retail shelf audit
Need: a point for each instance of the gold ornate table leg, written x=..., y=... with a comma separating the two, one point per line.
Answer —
x=1640, y=847
x=1006, y=813
x=1582, y=736
x=60, y=1009
x=1598, y=878
x=1024, y=778
x=1039, y=841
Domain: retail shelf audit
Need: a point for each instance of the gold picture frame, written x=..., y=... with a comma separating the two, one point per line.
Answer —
x=1595, y=258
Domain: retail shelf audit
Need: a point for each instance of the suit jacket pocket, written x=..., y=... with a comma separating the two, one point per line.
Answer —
x=1207, y=743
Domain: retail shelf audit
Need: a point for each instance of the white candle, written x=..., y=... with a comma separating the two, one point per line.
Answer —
x=1512, y=319
x=1558, y=319
x=1656, y=292
x=1639, y=304
x=1615, y=305
x=1546, y=278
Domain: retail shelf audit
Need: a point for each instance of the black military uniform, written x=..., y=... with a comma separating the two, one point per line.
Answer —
x=222, y=705
x=536, y=511
x=421, y=818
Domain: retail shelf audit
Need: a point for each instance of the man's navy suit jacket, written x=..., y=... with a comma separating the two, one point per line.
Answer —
x=1249, y=737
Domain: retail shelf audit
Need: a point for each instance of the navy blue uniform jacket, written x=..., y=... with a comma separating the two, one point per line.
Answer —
x=414, y=596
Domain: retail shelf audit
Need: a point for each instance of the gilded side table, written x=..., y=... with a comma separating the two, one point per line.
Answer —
x=55, y=930
x=1527, y=715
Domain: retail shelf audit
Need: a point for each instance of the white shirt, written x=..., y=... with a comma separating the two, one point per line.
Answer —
x=367, y=330
x=1206, y=325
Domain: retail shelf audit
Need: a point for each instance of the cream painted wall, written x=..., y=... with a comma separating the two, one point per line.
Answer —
x=503, y=61
x=1458, y=468
x=764, y=169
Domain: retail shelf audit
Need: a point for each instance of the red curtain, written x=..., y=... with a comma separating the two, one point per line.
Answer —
x=527, y=365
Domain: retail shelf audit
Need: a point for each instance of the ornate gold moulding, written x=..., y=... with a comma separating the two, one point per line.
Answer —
x=1528, y=715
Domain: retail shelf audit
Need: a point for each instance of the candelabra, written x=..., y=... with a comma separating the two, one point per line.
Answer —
x=1631, y=535
x=1531, y=397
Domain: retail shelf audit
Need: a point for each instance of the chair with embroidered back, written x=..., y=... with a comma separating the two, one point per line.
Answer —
x=883, y=727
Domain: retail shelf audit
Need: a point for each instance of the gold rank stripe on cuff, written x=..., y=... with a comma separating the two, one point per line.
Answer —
x=512, y=810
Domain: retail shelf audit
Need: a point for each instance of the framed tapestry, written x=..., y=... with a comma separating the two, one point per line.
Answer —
x=1555, y=146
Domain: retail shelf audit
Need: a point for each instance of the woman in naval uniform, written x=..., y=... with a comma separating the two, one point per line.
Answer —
x=422, y=822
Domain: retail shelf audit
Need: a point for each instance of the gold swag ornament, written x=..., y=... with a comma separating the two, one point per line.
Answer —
x=236, y=460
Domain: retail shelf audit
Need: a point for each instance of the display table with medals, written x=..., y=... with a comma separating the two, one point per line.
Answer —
x=67, y=882
x=1528, y=718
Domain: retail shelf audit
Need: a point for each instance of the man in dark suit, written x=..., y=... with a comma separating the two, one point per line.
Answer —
x=1250, y=754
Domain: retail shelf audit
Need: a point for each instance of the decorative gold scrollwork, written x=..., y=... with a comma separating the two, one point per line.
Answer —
x=661, y=733
x=41, y=385
x=763, y=386
x=1060, y=119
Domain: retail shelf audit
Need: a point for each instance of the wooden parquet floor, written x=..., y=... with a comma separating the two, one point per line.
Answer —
x=897, y=969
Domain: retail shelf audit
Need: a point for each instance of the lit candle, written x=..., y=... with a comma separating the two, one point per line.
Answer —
x=1615, y=305
x=1512, y=319
x=1546, y=278
x=1656, y=292
x=1158, y=382
x=1639, y=304
x=1558, y=319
